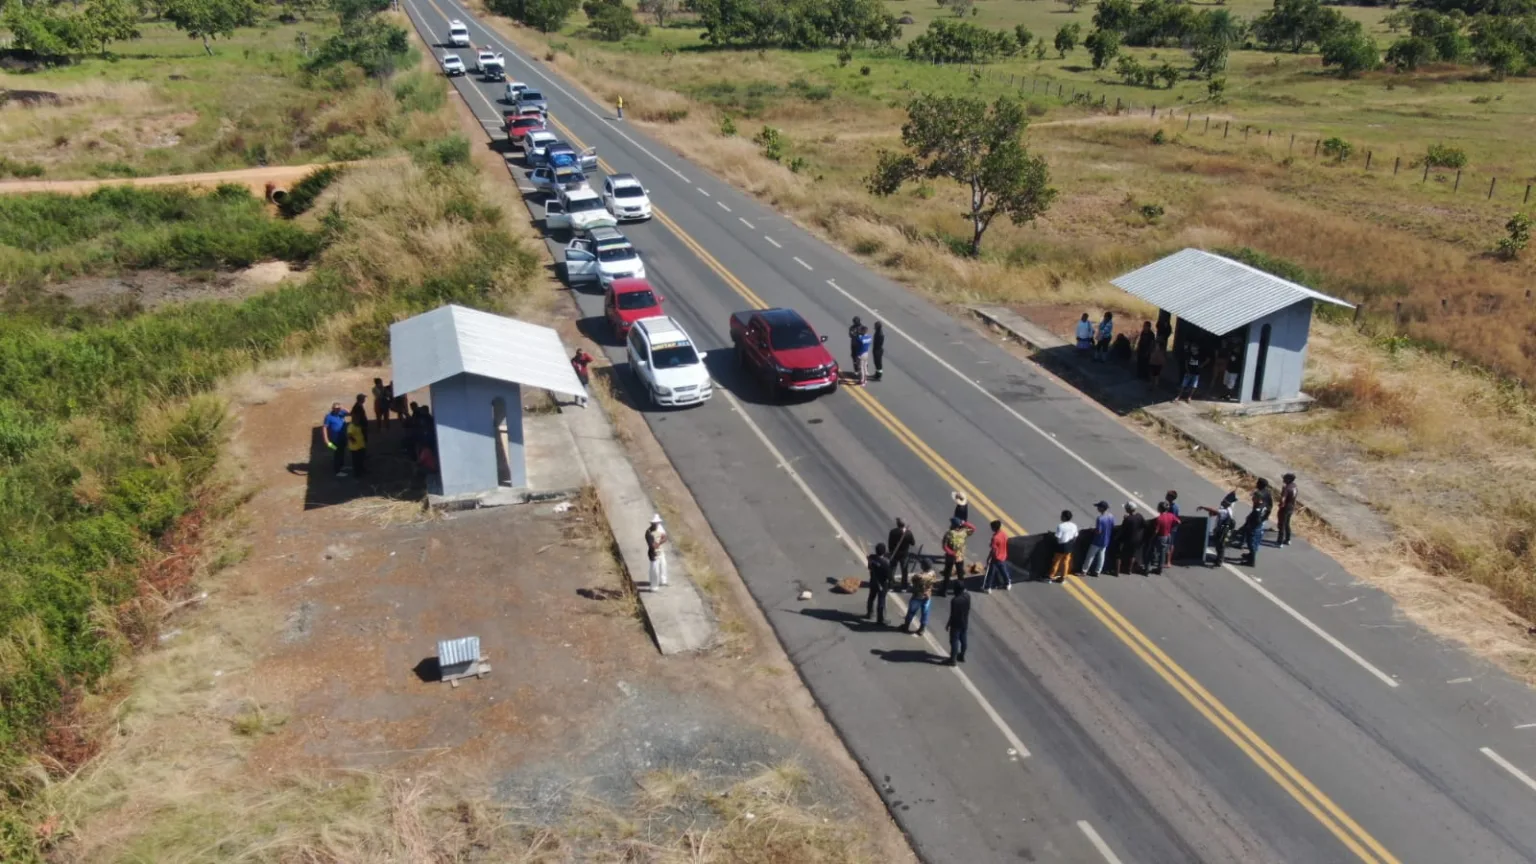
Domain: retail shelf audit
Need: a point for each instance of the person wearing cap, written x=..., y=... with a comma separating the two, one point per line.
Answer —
x=1132, y=537
x=954, y=551
x=900, y=542
x=1287, y=510
x=879, y=584
x=333, y=431
x=997, y=561
x=1222, y=529
x=1066, y=538
x=1253, y=528
x=1162, y=534
x=853, y=336
x=655, y=538
x=959, y=624
x=1098, y=547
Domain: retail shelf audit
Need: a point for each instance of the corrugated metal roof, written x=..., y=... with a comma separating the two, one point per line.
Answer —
x=452, y=339
x=1216, y=294
x=452, y=652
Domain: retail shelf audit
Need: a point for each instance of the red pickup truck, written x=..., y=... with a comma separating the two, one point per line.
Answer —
x=519, y=125
x=781, y=349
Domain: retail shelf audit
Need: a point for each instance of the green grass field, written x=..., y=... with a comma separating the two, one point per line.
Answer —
x=160, y=105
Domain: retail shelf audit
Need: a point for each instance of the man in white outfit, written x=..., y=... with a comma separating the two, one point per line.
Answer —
x=655, y=538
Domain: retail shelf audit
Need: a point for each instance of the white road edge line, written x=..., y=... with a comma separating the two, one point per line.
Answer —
x=701, y=191
x=748, y=224
x=802, y=263
x=1526, y=726
x=1129, y=495
x=475, y=22
x=1098, y=842
x=773, y=241
x=1510, y=767
x=858, y=555
x=723, y=207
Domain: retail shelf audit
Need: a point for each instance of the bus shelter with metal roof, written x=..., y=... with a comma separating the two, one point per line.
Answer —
x=476, y=365
x=1231, y=309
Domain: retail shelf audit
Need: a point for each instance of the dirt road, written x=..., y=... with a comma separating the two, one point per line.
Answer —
x=255, y=179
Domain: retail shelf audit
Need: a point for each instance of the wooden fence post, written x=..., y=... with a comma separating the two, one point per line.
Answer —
x=1425, y=178
x=1188, y=119
x=1227, y=128
x=1457, y=187
x=1527, y=196
x=1207, y=124
x=1315, y=145
x=1395, y=163
x=1292, y=148
x=1367, y=160
x=1490, y=187
x=1154, y=110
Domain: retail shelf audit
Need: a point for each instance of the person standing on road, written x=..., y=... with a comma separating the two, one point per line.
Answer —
x=1132, y=537
x=1223, y=527
x=1145, y=342
x=357, y=442
x=621, y=107
x=1288, y=503
x=997, y=562
x=655, y=539
x=921, y=602
x=333, y=430
x=1193, y=363
x=1106, y=337
x=962, y=507
x=1162, y=534
x=879, y=584
x=1098, y=549
x=383, y=401
x=1066, y=538
x=959, y=625
x=1253, y=529
x=861, y=347
x=878, y=351
x=900, y=542
x=1084, y=334
x=954, y=551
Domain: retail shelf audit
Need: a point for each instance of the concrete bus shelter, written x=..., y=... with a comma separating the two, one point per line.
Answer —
x=1217, y=300
x=476, y=365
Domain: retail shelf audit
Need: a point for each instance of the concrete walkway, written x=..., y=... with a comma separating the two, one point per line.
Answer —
x=678, y=616
x=1109, y=385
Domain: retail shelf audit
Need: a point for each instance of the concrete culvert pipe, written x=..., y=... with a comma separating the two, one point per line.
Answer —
x=279, y=195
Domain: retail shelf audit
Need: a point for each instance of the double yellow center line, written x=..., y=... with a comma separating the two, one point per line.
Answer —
x=1329, y=814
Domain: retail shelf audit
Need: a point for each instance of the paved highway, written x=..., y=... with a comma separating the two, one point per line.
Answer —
x=1281, y=713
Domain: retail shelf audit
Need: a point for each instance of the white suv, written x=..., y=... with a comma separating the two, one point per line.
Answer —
x=625, y=198
x=458, y=34
x=665, y=362
x=604, y=255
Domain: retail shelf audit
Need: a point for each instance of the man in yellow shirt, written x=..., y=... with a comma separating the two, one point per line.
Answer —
x=357, y=443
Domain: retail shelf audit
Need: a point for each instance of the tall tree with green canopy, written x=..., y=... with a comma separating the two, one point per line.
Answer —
x=977, y=145
x=210, y=19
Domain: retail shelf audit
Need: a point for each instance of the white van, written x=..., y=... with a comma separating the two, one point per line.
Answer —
x=666, y=364
x=458, y=34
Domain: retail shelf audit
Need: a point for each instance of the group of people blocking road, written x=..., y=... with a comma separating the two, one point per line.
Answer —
x=345, y=432
x=1135, y=544
x=1222, y=358
x=864, y=345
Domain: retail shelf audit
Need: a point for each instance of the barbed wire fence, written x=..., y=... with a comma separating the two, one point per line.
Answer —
x=1506, y=191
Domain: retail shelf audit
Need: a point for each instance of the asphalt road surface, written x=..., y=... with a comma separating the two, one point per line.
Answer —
x=1276, y=713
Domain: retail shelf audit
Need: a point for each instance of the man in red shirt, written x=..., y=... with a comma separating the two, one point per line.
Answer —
x=1162, y=530
x=997, y=561
x=580, y=361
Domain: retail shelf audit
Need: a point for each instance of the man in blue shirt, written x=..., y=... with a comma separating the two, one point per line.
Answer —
x=334, y=432
x=1098, y=550
x=861, y=347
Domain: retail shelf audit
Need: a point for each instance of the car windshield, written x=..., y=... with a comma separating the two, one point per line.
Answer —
x=616, y=253
x=526, y=123
x=628, y=192
x=797, y=335
x=532, y=96
x=583, y=205
x=637, y=300
x=674, y=357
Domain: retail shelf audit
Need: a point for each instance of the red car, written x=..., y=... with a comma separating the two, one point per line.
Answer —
x=519, y=125
x=628, y=301
x=783, y=351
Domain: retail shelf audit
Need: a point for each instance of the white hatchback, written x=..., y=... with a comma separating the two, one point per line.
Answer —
x=666, y=364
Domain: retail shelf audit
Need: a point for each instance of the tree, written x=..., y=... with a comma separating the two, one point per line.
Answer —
x=611, y=20
x=1102, y=45
x=351, y=11
x=1073, y=5
x=959, y=42
x=1114, y=15
x=1022, y=35
x=1353, y=53
x=373, y=44
x=661, y=10
x=1210, y=57
x=963, y=139
x=547, y=16
x=210, y=19
x=112, y=21
x=1066, y=38
x=961, y=8
x=1295, y=24
x=1410, y=52
x=1169, y=73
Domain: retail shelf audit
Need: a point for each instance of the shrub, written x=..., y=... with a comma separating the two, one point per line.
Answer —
x=1159, y=137
x=1338, y=149
x=1519, y=228
x=1441, y=156
x=727, y=126
x=452, y=150
x=1151, y=212
x=772, y=142
x=863, y=70
x=303, y=194
x=16, y=168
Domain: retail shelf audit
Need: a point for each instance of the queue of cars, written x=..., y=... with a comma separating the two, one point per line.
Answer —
x=777, y=347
